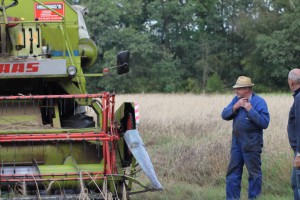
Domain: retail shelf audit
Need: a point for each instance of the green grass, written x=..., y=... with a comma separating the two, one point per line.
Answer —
x=182, y=190
x=276, y=184
x=185, y=190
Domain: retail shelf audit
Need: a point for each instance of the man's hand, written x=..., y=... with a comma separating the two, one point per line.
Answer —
x=247, y=106
x=242, y=102
x=297, y=161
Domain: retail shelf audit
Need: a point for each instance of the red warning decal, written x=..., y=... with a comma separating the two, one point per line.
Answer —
x=43, y=13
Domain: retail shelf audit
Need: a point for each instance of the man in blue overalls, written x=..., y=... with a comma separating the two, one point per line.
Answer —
x=293, y=129
x=250, y=116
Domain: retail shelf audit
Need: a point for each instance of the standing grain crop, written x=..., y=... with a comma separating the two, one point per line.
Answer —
x=189, y=143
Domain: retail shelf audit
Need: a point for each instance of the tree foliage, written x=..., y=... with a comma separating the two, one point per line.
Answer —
x=191, y=46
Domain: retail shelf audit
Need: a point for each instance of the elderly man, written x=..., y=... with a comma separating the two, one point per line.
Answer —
x=293, y=128
x=250, y=116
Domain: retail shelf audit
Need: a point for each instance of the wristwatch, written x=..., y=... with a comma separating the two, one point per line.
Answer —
x=298, y=154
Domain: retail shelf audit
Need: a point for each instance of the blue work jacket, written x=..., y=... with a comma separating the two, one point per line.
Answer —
x=293, y=127
x=247, y=127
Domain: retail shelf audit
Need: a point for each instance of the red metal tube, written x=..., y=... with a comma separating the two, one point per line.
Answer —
x=51, y=136
x=65, y=96
x=79, y=133
x=44, y=140
x=104, y=113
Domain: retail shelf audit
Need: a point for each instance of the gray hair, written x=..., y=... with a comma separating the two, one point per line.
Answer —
x=293, y=76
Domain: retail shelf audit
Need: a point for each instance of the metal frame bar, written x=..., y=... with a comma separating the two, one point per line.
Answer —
x=60, y=96
x=52, y=174
x=57, y=137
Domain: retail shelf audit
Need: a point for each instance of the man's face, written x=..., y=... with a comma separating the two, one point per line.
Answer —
x=241, y=92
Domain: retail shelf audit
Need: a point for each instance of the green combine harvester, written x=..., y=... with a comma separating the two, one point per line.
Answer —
x=50, y=146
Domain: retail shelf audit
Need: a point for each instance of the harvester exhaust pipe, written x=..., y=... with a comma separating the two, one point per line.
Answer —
x=87, y=47
x=137, y=148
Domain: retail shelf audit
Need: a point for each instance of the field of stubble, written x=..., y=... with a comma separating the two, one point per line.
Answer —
x=189, y=144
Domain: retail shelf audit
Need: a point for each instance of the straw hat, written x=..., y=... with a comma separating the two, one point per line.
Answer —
x=243, y=81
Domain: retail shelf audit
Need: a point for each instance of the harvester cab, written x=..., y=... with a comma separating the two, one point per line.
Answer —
x=50, y=143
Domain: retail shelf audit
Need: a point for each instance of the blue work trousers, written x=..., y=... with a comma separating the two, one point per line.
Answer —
x=252, y=160
x=295, y=182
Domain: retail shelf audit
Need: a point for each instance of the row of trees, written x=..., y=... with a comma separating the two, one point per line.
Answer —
x=195, y=45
